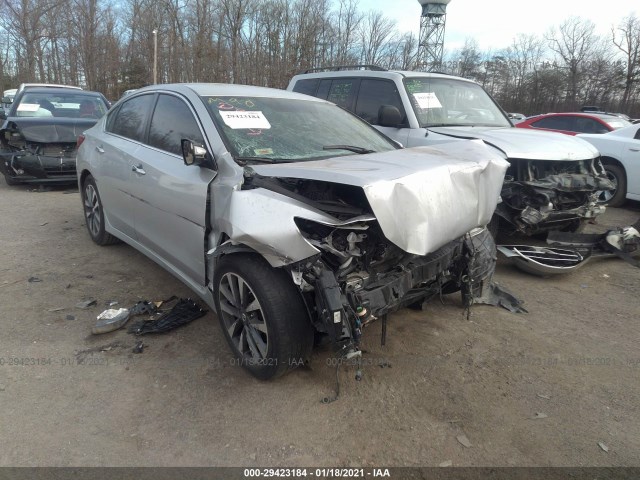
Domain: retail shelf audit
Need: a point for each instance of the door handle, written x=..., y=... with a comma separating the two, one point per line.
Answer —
x=635, y=149
x=138, y=169
x=100, y=149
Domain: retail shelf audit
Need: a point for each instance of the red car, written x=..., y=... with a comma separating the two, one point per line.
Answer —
x=573, y=123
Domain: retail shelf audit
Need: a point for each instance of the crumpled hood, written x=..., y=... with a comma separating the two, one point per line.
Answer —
x=526, y=144
x=50, y=130
x=422, y=197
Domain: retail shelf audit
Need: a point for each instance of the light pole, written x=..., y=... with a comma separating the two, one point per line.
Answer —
x=155, y=56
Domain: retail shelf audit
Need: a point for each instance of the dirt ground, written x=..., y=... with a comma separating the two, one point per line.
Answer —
x=70, y=398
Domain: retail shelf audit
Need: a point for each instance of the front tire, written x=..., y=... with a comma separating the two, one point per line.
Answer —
x=262, y=315
x=10, y=181
x=617, y=197
x=94, y=213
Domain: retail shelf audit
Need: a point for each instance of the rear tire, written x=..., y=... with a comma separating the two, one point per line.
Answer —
x=94, y=213
x=262, y=315
x=616, y=198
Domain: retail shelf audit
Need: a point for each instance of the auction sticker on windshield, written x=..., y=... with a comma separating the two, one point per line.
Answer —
x=238, y=120
x=427, y=100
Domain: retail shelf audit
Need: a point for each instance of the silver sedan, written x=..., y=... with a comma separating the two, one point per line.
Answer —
x=291, y=217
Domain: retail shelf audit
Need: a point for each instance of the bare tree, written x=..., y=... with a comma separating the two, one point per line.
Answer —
x=376, y=36
x=573, y=42
x=628, y=43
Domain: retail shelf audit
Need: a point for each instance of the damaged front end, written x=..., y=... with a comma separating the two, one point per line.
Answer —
x=31, y=157
x=360, y=276
x=364, y=237
x=543, y=195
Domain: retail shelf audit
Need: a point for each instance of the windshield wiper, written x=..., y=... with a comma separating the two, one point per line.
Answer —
x=260, y=159
x=351, y=148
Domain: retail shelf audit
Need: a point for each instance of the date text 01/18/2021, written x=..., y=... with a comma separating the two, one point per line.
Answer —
x=316, y=472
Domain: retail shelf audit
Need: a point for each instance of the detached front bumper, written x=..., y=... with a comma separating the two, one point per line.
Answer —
x=29, y=168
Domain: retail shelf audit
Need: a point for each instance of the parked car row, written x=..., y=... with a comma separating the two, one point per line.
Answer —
x=296, y=219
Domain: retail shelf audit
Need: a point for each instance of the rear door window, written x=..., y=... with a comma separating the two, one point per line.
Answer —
x=343, y=92
x=555, y=123
x=131, y=118
x=307, y=86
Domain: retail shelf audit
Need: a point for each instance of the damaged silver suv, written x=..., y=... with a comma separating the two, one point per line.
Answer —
x=288, y=215
x=553, y=181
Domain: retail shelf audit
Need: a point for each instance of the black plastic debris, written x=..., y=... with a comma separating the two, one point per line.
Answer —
x=183, y=312
x=142, y=307
x=34, y=280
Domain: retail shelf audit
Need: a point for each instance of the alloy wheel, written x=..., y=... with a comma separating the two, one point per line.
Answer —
x=92, y=210
x=243, y=316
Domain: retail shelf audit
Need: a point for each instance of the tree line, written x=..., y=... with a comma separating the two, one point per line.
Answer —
x=109, y=47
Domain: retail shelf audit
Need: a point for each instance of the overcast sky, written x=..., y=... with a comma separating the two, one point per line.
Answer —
x=494, y=23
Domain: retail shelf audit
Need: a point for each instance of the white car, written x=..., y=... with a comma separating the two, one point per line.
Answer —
x=620, y=152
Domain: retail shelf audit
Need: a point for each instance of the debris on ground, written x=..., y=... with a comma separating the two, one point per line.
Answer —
x=142, y=307
x=464, y=441
x=86, y=304
x=546, y=397
x=53, y=310
x=544, y=261
x=110, y=320
x=34, y=280
x=138, y=347
x=70, y=317
x=539, y=415
x=447, y=463
x=183, y=312
x=569, y=251
x=603, y=447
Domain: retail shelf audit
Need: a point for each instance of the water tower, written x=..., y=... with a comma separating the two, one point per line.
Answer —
x=432, y=22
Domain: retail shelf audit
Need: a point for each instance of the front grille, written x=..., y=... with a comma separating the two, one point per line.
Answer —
x=60, y=171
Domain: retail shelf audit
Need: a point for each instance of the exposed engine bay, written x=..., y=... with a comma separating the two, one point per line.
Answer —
x=541, y=195
x=360, y=276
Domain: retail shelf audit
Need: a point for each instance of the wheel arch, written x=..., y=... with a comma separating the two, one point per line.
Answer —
x=613, y=161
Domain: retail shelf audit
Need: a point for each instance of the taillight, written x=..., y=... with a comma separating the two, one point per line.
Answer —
x=79, y=141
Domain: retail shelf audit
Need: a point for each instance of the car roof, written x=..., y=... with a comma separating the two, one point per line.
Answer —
x=212, y=89
x=390, y=74
x=578, y=114
x=45, y=85
x=55, y=90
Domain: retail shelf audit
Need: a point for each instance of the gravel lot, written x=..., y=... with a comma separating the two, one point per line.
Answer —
x=540, y=389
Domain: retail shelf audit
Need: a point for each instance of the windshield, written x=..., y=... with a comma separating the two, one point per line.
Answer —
x=451, y=102
x=289, y=130
x=616, y=123
x=71, y=105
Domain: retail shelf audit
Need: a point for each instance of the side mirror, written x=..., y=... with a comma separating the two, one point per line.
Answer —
x=7, y=99
x=193, y=154
x=389, y=116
